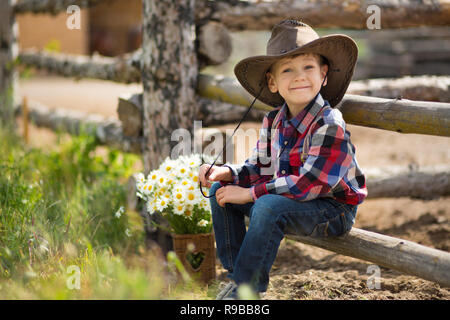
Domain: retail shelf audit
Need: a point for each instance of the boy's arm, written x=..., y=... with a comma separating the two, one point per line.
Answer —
x=245, y=174
x=329, y=159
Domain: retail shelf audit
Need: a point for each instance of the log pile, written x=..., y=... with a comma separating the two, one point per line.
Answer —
x=414, y=51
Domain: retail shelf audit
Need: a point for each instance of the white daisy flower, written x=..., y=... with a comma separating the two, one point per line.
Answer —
x=153, y=176
x=179, y=195
x=202, y=223
x=147, y=188
x=182, y=170
x=191, y=197
x=185, y=183
x=119, y=212
x=139, y=177
x=168, y=166
x=178, y=209
x=188, y=210
x=151, y=207
x=161, y=204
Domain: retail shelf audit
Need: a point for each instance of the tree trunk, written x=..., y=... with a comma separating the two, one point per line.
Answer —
x=8, y=55
x=169, y=76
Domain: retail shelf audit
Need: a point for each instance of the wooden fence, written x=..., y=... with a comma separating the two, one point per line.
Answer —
x=175, y=94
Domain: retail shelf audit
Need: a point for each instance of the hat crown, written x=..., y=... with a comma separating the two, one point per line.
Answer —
x=289, y=35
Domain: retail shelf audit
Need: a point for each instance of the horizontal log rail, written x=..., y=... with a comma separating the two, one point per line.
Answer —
x=108, y=131
x=51, y=6
x=405, y=116
x=424, y=182
x=81, y=66
x=422, y=88
x=262, y=15
x=398, y=254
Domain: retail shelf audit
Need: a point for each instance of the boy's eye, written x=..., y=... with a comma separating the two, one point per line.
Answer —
x=309, y=67
x=286, y=70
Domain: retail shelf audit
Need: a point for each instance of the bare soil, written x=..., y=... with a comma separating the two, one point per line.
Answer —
x=302, y=271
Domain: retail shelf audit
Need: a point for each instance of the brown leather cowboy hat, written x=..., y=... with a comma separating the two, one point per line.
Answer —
x=291, y=37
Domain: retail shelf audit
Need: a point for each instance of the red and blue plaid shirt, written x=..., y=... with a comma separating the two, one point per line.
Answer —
x=329, y=169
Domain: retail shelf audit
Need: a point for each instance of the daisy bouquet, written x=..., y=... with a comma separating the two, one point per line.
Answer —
x=173, y=190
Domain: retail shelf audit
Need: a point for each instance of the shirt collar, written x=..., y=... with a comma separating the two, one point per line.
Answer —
x=305, y=117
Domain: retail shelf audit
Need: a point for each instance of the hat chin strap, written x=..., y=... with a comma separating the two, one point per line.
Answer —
x=226, y=143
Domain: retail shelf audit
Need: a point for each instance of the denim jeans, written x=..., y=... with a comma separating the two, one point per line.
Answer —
x=248, y=255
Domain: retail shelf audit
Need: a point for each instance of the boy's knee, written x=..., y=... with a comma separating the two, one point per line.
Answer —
x=265, y=207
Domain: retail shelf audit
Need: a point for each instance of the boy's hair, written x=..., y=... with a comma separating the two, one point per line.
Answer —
x=322, y=60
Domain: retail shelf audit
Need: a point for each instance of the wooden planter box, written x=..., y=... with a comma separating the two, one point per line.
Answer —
x=197, y=253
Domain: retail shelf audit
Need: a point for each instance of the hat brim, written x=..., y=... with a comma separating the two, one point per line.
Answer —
x=340, y=50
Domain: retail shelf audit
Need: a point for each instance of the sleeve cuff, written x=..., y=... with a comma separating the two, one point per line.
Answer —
x=234, y=175
x=259, y=190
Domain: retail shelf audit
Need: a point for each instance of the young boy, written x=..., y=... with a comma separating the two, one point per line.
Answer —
x=303, y=177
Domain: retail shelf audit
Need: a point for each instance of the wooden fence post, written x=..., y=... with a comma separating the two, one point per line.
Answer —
x=8, y=55
x=169, y=75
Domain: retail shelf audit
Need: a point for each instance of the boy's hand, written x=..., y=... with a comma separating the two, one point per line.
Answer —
x=215, y=174
x=233, y=194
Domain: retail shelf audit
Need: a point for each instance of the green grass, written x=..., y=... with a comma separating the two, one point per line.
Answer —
x=58, y=214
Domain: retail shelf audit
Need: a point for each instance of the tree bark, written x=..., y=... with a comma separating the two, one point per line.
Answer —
x=8, y=55
x=263, y=15
x=169, y=76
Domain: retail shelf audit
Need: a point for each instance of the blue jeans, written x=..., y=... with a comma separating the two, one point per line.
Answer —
x=248, y=255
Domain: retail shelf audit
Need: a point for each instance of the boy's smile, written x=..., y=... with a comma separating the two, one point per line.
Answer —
x=297, y=79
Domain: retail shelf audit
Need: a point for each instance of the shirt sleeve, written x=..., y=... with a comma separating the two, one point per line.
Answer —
x=328, y=160
x=258, y=167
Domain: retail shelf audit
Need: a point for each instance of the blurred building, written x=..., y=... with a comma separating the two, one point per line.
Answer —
x=110, y=28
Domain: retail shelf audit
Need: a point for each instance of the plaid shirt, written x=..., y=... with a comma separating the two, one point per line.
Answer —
x=329, y=169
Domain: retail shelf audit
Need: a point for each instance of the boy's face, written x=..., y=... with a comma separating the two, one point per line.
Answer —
x=297, y=79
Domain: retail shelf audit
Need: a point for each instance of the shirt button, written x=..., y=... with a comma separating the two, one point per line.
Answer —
x=285, y=142
x=283, y=171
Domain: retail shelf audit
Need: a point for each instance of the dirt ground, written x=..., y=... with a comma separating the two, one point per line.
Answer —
x=302, y=271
